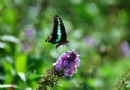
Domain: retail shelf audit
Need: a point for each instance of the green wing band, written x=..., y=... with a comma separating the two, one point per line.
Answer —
x=58, y=31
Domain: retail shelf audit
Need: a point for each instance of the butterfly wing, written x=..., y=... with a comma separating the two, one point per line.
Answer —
x=63, y=39
x=52, y=38
x=58, y=35
x=55, y=29
x=63, y=32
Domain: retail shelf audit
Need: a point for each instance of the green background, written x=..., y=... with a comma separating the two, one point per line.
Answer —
x=98, y=29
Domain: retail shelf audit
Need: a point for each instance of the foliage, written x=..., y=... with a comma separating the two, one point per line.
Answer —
x=97, y=29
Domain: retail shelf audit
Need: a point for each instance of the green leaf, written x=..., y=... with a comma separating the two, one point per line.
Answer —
x=21, y=63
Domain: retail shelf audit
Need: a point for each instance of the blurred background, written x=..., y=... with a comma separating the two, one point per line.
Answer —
x=98, y=29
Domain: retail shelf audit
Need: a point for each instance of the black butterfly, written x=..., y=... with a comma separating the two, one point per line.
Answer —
x=58, y=35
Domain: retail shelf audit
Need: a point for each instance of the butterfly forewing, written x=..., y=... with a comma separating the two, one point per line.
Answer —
x=54, y=33
x=64, y=38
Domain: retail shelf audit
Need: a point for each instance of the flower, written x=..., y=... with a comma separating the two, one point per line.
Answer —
x=28, y=39
x=91, y=41
x=125, y=49
x=26, y=47
x=30, y=32
x=67, y=63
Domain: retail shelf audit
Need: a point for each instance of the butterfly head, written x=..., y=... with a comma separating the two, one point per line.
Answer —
x=49, y=39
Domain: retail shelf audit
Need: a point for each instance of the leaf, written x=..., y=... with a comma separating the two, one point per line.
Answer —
x=9, y=38
x=21, y=63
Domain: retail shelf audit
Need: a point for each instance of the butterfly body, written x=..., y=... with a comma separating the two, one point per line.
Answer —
x=58, y=35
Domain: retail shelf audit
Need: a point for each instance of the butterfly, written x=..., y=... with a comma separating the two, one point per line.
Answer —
x=58, y=35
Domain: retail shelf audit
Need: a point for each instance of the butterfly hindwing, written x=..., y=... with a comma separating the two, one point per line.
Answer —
x=58, y=35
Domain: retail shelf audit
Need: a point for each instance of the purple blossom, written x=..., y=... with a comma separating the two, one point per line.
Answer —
x=30, y=32
x=28, y=39
x=125, y=49
x=26, y=47
x=90, y=41
x=67, y=63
